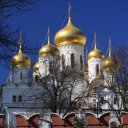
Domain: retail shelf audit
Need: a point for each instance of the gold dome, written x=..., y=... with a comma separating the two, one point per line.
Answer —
x=36, y=67
x=20, y=60
x=69, y=34
x=110, y=63
x=95, y=53
x=49, y=49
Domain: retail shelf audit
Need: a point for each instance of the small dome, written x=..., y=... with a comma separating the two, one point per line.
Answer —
x=69, y=34
x=20, y=60
x=49, y=48
x=36, y=67
x=95, y=53
x=110, y=63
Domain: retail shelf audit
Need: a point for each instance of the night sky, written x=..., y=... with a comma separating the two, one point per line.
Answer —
x=105, y=17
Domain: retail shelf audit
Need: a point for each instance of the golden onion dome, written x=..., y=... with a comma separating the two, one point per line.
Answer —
x=36, y=67
x=69, y=35
x=110, y=63
x=20, y=59
x=49, y=49
x=95, y=53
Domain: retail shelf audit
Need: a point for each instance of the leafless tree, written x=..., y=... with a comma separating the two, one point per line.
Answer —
x=60, y=88
x=8, y=39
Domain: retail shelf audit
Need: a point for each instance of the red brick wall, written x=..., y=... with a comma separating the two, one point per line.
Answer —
x=93, y=122
x=66, y=122
x=1, y=121
x=32, y=122
x=124, y=119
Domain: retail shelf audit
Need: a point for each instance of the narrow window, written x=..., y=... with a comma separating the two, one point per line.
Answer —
x=14, y=98
x=81, y=62
x=72, y=61
x=112, y=79
x=97, y=69
x=115, y=100
x=102, y=100
x=63, y=61
x=21, y=75
x=20, y=98
x=50, y=66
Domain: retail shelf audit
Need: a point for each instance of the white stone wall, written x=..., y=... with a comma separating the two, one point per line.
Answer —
x=17, y=75
x=92, y=68
x=109, y=78
x=77, y=50
x=44, y=64
x=27, y=94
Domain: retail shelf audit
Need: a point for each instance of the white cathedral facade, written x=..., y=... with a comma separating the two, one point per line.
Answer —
x=68, y=51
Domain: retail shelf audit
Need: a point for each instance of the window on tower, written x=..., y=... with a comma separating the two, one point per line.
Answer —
x=81, y=62
x=112, y=78
x=72, y=61
x=14, y=98
x=63, y=61
x=21, y=76
x=115, y=100
x=102, y=100
x=97, y=69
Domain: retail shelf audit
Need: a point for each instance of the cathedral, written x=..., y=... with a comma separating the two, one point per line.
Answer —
x=94, y=84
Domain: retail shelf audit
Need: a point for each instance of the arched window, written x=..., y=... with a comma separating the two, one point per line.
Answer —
x=50, y=66
x=115, y=100
x=72, y=61
x=21, y=76
x=97, y=69
x=102, y=100
x=63, y=61
x=112, y=78
x=81, y=62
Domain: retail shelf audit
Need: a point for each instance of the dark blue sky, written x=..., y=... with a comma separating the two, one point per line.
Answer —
x=106, y=17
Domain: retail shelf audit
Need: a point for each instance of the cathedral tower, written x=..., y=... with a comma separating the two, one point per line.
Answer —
x=48, y=58
x=95, y=58
x=20, y=65
x=70, y=42
x=110, y=67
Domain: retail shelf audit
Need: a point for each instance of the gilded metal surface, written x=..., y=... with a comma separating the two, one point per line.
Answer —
x=69, y=34
x=110, y=64
x=20, y=60
x=49, y=49
x=95, y=53
x=36, y=67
